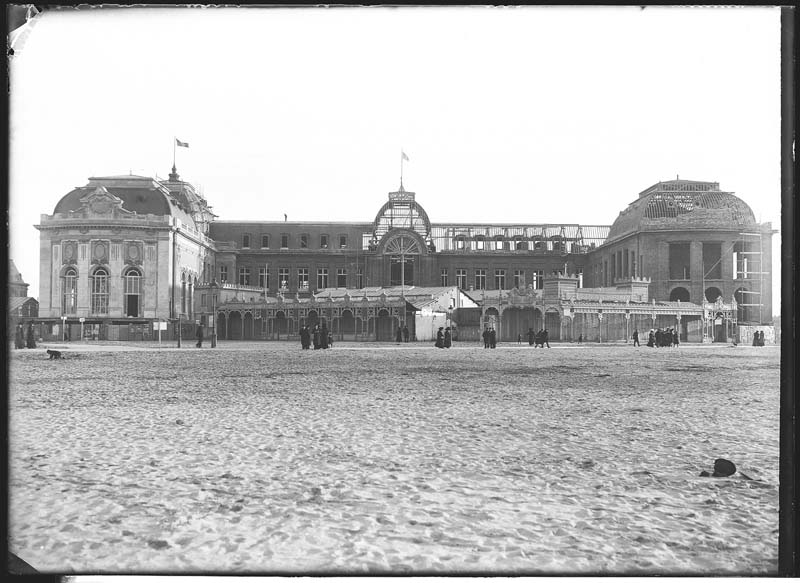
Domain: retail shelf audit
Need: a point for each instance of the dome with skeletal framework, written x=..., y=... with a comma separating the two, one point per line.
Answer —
x=682, y=205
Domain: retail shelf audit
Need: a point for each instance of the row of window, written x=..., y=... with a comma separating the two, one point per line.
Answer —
x=246, y=276
x=303, y=241
x=99, y=292
x=517, y=279
x=500, y=243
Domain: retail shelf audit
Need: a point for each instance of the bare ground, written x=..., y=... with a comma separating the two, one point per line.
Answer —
x=260, y=457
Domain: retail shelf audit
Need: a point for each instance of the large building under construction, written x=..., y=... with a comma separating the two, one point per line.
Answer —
x=125, y=255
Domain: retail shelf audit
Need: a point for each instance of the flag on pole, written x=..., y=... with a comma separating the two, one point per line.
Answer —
x=403, y=154
x=181, y=144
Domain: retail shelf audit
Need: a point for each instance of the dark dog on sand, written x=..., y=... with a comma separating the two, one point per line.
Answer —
x=55, y=354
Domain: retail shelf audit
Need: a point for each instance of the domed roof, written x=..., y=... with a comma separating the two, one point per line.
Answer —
x=682, y=205
x=138, y=194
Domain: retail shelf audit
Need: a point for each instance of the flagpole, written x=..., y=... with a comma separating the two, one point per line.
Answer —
x=174, y=141
x=401, y=168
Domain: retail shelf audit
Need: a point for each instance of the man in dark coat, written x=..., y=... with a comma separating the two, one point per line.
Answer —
x=305, y=338
x=492, y=338
x=19, y=339
x=31, y=341
x=545, y=338
x=398, y=336
x=486, y=337
x=675, y=338
x=199, y=336
x=439, y=338
x=405, y=333
x=448, y=338
x=317, y=339
x=635, y=337
x=531, y=336
x=323, y=336
x=651, y=339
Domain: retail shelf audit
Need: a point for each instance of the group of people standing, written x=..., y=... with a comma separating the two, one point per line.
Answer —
x=444, y=339
x=489, y=338
x=659, y=338
x=320, y=337
x=540, y=338
x=402, y=334
x=758, y=338
x=23, y=338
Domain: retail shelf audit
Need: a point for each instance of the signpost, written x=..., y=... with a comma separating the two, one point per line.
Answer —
x=159, y=326
x=82, y=320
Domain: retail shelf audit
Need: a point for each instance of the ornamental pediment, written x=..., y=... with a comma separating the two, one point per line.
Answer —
x=101, y=203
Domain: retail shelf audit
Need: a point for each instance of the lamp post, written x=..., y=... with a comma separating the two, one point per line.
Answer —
x=213, y=287
x=63, y=328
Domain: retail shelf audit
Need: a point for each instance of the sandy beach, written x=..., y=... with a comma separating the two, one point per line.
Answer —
x=260, y=457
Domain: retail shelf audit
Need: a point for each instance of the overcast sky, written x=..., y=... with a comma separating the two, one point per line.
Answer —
x=507, y=114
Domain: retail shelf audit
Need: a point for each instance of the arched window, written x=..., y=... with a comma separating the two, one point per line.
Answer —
x=520, y=244
x=132, y=293
x=679, y=294
x=712, y=294
x=480, y=243
x=100, y=291
x=69, y=291
x=498, y=243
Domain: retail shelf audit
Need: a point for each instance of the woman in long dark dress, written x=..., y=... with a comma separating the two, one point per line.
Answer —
x=316, y=337
x=439, y=339
x=323, y=336
x=19, y=339
x=448, y=338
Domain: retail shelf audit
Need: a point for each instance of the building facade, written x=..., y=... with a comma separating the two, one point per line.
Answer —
x=128, y=251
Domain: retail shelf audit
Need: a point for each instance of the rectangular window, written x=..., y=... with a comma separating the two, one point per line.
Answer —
x=263, y=277
x=712, y=260
x=303, y=241
x=460, y=243
x=323, y=241
x=223, y=273
x=679, y=254
x=499, y=279
x=322, y=277
x=302, y=278
x=519, y=279
x=360, y=278
x=283, y=277
x=443, y=281
x=265, y=241
x=341, y=277
x=245, y=241
x=461, y=278
x=284, y=241
x=342, y=241
x=538, y=278
x=480, y=279
x=626, y=266
x=203, y=300
x=244, y=276
x=480, y=244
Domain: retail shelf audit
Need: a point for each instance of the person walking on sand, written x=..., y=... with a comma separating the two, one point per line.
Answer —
x=317, y=339
x=651, y=339
x=635, y=337
x=398, y=336
x=439, y=338
x=492, y=338
x=323, y=336
x=448, y=338
x=545, y=338
x=531, y=336
x=19, y=338
x=199, y=335
x=486, y=337
x=330, y=339
x=405, y=333
x=304, y=337
x=31, y=341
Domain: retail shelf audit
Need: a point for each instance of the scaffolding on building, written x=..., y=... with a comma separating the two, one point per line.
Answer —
x=748, y=270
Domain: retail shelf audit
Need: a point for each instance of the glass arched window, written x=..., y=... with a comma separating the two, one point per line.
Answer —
x=69, y=292
x=100, y=291
x=132, y=291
